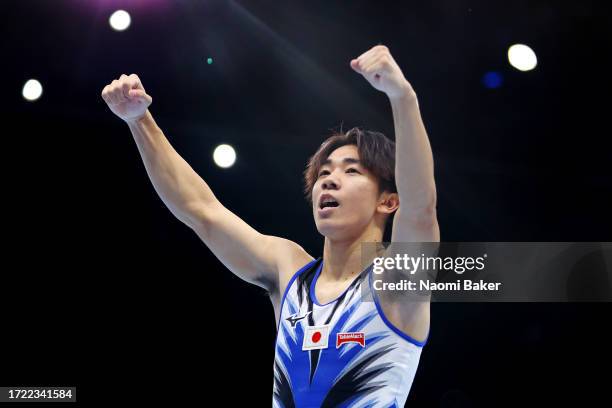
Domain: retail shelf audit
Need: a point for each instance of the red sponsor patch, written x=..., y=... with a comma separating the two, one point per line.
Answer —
x=358, y=337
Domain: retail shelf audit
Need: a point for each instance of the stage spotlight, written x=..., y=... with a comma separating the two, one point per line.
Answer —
x=522, y=57
x=224, y=156
x=120, y=20
x=32, y=90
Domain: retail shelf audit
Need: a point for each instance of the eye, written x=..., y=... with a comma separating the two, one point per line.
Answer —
x=323, y=173
x=352, y=170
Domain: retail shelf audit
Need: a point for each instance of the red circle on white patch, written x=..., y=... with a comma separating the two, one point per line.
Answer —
x=316, y=337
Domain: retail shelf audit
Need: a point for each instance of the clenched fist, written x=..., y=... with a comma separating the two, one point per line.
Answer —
x=382, y=72
x=126, y=97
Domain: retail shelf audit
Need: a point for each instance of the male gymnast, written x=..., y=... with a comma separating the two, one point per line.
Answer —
x=332, y=348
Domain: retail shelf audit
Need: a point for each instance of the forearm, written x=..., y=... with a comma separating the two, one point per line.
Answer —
x=414, y=169
x=183, y=191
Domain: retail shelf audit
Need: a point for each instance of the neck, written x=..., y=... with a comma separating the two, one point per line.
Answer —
x=343, y=258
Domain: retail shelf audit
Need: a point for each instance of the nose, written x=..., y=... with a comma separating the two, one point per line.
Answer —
x=330, y=182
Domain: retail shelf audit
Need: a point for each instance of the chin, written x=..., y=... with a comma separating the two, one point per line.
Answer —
x=332, y=229
x=328, y=228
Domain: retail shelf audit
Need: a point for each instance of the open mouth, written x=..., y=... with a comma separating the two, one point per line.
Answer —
x=328, y=201
x=329, y=204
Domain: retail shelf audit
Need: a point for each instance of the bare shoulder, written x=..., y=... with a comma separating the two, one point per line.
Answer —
x=408, y=311
x=291, y=257
x=411, y=318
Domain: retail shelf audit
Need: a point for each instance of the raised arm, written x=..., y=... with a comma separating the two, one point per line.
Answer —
x=257, y=258
x=415, y=220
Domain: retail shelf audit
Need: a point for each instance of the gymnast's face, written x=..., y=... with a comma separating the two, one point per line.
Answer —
x=345, y=197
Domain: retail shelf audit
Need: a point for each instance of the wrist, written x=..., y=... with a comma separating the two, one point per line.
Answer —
x=405, y=100
x=145, y=117
x=404, y=94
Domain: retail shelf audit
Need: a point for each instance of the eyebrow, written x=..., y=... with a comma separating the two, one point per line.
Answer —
x=346, y=160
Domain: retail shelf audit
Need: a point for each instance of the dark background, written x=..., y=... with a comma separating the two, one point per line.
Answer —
x=103, y=289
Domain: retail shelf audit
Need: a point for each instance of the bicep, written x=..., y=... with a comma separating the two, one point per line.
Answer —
x=254, y=257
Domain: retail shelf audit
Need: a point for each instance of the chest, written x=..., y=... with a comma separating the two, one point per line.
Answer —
x=328, y=291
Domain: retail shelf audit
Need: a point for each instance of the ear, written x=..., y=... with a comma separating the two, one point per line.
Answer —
x=388, y=203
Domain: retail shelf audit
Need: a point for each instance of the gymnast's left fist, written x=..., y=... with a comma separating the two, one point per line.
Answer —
x=382, y=72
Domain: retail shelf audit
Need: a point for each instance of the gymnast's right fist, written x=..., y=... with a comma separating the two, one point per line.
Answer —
x=126, y=97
